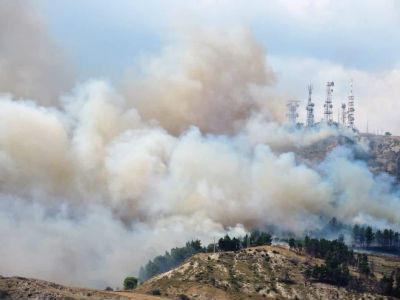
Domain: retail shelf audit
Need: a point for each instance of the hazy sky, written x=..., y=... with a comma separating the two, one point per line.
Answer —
x=316, y=41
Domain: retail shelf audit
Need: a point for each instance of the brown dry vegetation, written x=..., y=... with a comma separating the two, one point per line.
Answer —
x=266, y=272
x=27, y=288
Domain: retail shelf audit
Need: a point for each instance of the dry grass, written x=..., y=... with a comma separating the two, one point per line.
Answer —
x=265, y=272
x=136, y=295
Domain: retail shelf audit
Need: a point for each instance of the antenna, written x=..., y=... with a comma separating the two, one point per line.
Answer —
x=292, y=114
x=310, y=108
x=344, y=114
x=328, y=102
x=350, y=112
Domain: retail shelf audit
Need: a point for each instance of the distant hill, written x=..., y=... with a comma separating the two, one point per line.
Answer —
x=28, y=288
x=265, y=272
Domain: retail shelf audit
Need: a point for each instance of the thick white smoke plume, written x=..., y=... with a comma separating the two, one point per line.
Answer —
x=93, y=188
x=31, y=64
x=213, y=81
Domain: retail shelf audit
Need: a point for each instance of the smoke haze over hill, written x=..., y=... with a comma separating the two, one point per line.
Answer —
x=96, y=181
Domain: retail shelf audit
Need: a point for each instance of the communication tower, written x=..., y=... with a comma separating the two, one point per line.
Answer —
x=292, y=114
x=328, y=107
x=344, y=114
x=350, y=111
x=310, y=108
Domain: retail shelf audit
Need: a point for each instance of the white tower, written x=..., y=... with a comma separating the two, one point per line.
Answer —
x=292, y=114
x=310, y=108
x=328, y=107
x=350, y=108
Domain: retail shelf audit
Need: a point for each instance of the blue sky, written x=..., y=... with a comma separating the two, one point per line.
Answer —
x=105, y=37
x=306, y=40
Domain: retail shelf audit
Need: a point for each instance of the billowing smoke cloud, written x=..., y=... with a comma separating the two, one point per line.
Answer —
x=91, y=190
x=213, y=81
x=32, y=66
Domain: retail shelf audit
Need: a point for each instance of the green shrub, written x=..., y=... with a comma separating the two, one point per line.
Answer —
x=130, y=283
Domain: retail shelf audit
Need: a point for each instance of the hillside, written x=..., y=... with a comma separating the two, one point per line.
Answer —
x=27, y=288
x=385, y=152
x=381, y=153
x=265, y=272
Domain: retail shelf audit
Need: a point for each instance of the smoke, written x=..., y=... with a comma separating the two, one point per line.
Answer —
x=32, y=66
x=95, y=186
x=210, y=79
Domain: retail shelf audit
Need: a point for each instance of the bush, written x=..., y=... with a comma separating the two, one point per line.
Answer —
x=108, y=288
x=130, y=283
x=183, y=297
x=156, y=292
x=386, y=285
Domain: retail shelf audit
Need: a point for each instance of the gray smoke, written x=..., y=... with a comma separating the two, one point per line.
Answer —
x=32, y=66
x=93, y=188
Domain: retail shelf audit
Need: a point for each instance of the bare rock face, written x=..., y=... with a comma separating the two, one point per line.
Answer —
x=26, y=288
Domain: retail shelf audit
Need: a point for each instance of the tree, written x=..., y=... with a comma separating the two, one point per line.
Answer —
x=369, y=236
x=386, y=238
x=362, y=236
x=130, y=283
x=228, y=244
x=258, y=238
x=379, y=238
x=292, y=243
x=264, y=239
x=356, y=234
x=386, y=285
x=363, y=266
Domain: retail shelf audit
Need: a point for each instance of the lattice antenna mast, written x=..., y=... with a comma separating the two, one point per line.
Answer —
x=344, y=114
x=328, y=107
x=350, y=111
x=292, y=114
x=310, y=108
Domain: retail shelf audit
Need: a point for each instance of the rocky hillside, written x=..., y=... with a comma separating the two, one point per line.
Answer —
x=266, y=272
x=382, y=153
x=385, y=153
x=27, y=288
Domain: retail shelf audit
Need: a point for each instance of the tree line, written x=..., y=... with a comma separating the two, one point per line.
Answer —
x=176, y=256
x=337, y=257
x=366, y=237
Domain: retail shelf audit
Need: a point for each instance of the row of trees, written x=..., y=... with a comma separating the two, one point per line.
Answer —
x=366, y=237
x=337, y=257
x=169, y=260
x=256, y=238
x=324, y=249
x=176, y=256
